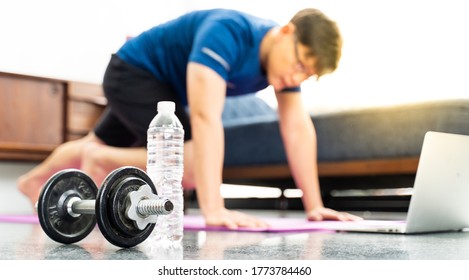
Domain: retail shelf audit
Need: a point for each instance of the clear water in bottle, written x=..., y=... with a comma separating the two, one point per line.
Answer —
x=165, y=148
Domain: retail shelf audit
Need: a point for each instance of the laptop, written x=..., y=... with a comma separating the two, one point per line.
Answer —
x=440, y=199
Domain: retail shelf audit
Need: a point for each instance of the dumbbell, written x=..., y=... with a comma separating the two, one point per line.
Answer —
x=126, y=207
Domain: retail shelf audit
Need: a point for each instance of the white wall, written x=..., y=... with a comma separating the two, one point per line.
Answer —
x=394, y=50
x=399, y=51
x=72, y=39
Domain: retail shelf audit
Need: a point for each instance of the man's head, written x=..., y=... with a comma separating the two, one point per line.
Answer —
x=321, y=37
x=308, y=46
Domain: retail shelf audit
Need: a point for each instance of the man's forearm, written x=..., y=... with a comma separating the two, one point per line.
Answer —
x=208, y=144
x=206, y=95
x=300, y=145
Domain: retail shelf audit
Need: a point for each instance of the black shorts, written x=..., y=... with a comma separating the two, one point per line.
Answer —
x=132, y=95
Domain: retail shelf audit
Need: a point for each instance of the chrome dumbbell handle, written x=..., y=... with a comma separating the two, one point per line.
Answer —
x=77, y=206
x=144, y=207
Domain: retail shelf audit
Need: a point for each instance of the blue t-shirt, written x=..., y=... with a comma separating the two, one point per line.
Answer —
x=226, y=41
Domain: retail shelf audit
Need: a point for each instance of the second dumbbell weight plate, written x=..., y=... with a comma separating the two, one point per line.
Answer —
x=56, y=222
x=111, y=206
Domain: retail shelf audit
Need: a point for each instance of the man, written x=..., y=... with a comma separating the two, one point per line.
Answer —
x=197, y=60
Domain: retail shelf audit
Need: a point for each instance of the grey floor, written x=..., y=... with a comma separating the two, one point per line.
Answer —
x=28, y=241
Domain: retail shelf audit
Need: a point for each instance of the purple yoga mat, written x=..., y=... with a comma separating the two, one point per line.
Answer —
x=193, y=222
x=19, y=219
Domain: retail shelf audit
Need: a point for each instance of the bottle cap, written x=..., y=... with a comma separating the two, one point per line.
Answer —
x=167, y=106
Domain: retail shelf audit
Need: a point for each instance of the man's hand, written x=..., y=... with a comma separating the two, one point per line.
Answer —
x=321, y=213
x=233, y=219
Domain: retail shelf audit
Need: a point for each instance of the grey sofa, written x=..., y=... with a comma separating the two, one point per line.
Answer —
x=380, y=142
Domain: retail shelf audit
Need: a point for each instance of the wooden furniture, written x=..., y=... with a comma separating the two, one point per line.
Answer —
x=405, y=165
x=85, y=104
x=38, y=114
x=372, y=184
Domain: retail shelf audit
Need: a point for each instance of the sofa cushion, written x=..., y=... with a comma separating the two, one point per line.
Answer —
x=245, y=109
x=252, y=134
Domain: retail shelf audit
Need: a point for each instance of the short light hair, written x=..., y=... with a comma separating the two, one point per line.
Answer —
x=322, y=36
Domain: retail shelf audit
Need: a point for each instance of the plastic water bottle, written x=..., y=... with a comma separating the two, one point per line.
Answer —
x=165, y=155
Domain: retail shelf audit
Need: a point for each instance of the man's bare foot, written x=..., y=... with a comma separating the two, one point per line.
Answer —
x=30, y=187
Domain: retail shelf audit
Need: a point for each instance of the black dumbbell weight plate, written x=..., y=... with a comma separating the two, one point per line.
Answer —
x=56, y=222
x=112, y=203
